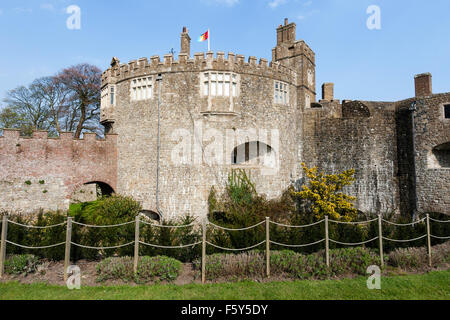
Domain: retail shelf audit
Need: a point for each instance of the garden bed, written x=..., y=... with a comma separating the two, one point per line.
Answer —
x=285, y=265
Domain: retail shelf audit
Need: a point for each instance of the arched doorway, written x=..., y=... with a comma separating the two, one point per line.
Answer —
x=439, y=157
x=152, y=215
x=254, y=153
x=91, y=191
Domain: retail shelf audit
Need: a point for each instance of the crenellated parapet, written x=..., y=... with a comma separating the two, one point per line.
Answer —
x=40, y=135
x=200, y=63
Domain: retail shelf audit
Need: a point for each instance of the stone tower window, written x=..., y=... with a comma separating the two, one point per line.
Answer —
x=112, y=95
x=281, y=92
x=219, y=84
x=108, y=97
x=447, y=111
x=141, y=89
x=310, y=78
x=307, y=101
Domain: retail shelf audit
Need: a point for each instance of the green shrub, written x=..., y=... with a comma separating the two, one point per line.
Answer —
x=172, y=237
x=106, y=211
x=32, y=237
x=21, y=264
x=149, y=269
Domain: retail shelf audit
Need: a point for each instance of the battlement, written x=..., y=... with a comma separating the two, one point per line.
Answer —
x=232, y=63
x=14, y=135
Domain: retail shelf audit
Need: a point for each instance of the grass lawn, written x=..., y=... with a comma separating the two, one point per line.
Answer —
x=435, y=285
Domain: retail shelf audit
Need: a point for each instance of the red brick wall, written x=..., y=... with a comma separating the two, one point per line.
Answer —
x=42, y=173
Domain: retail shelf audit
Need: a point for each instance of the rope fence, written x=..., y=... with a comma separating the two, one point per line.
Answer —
x=137, y=242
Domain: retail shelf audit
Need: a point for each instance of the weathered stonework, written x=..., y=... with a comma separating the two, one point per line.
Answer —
x=215, y=111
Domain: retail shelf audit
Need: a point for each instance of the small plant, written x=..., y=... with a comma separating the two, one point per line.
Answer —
x=149, y=269
x=21, y=264
x=41, y=182
x=45, y=191
x=28, y=182
x=417, y=258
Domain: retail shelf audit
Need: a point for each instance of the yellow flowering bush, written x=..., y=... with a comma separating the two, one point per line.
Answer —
x=324, y=192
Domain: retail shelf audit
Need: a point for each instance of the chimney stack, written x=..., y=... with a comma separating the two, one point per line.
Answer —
x=328, y=91
x=185, y=42
x=286, y=33
x=423, y=84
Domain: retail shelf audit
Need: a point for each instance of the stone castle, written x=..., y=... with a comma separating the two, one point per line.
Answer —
x=176, y=128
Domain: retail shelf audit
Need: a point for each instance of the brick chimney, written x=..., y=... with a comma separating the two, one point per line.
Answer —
x=286, y=33
x=423, y=84
x=328, y=91
x=185, y=42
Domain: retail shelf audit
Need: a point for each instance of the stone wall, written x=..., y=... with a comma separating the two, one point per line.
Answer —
x=432, y=130
x=42, y=173
x=366, y=144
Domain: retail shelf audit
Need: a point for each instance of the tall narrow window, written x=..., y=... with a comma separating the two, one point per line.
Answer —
x=142, y=89
x=227, y=85
x=112, y=96
x=447, y=111
x=281, y=93
x=219, y=84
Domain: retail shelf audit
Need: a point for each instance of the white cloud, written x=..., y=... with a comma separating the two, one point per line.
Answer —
x=47, y=6
x=276, y=3
x=228, y=3
x=22, y=10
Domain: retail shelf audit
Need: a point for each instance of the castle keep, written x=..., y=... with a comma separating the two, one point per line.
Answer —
x=175, y=127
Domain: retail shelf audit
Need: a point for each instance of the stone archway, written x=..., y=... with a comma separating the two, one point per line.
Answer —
x=254, y=153
x=439, y=157
x=90, y=191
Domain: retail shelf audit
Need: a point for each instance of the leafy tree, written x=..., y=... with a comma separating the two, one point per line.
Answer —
x=10, y=118
x=324, y=193
x=29, y=108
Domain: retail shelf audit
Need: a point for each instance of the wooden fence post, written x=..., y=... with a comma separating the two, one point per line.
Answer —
x=204, y=251
x=268, y=247
x=3, y=244
x=380, y=234
x=136, y=244
x=327, y=242
x=430, y=262
x=68, y=243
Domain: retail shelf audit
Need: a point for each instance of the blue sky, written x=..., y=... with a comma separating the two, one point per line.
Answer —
x=364, y=64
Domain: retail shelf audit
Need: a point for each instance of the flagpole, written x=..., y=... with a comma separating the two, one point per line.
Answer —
x=209, y=43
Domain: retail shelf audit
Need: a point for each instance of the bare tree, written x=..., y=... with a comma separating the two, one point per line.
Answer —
x=55, y=97
x=67, y=102
x=83, y=84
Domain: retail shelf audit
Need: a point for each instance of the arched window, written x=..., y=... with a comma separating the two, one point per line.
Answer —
x=254, y=153
x=439, y=157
